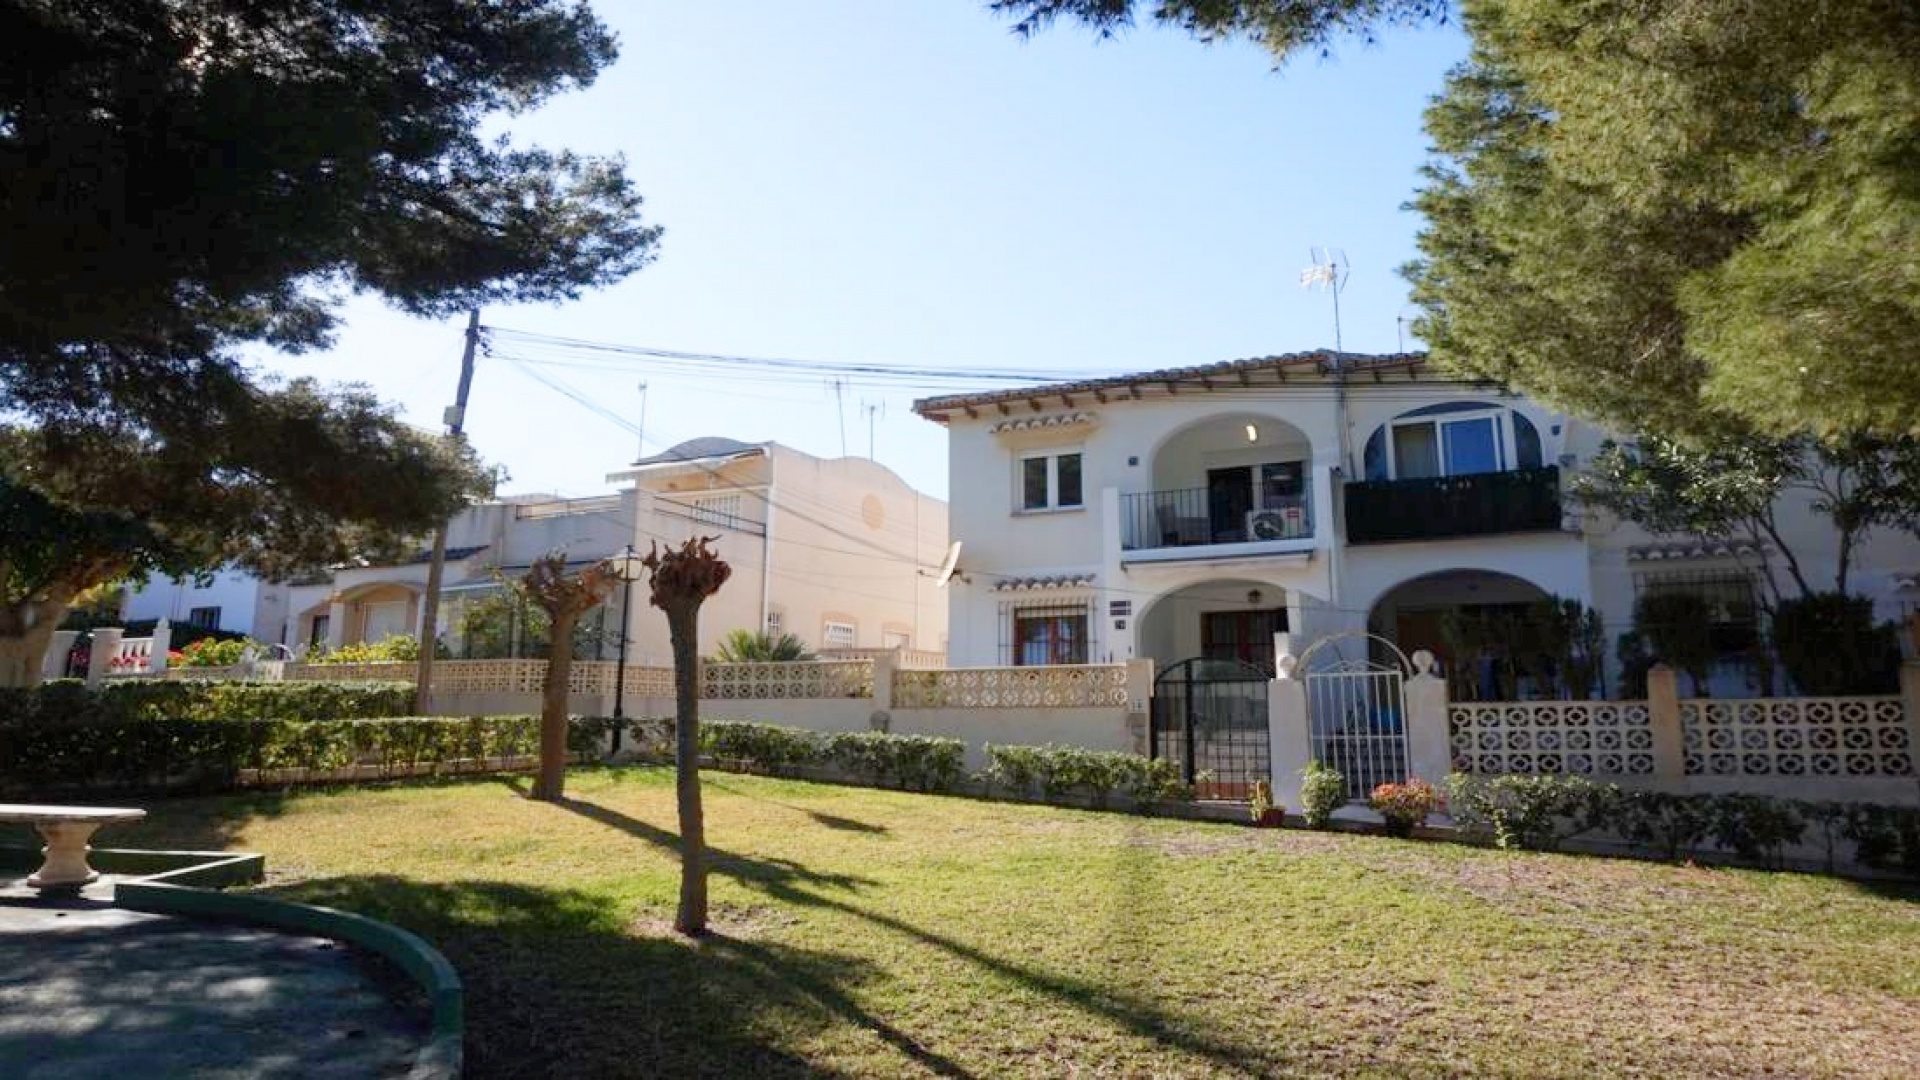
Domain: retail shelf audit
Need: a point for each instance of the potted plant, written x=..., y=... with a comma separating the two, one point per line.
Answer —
x=1322, y=791
x=1260, y=807
x=1403, y=806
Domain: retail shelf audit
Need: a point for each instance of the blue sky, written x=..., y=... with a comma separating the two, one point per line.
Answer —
x=874, y=181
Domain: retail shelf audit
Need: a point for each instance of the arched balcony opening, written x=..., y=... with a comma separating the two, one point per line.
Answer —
x=1237, y=478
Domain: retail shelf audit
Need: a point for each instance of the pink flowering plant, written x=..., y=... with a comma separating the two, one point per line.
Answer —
x=1403, y=806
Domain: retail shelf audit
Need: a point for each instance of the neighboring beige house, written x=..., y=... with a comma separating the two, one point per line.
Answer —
x=839, y=552
x=484, y=543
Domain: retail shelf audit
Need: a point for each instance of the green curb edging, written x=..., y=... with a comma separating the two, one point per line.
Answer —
x=440, y=1059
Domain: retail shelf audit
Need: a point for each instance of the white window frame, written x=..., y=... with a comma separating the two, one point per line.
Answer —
x=827, y=630
x=896, y=639
x=1502, y=433
x=776, y=623
x=1052, y=458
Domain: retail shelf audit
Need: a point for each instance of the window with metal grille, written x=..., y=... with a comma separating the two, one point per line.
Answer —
x=1730, y=595
x=205, y=617
x=1046, y=633
x=838, y=635
x=776, y=623
x=721, y=510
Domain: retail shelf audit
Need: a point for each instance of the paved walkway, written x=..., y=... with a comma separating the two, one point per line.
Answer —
x=88, y=991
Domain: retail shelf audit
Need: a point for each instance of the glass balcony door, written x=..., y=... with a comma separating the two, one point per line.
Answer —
x=1465, y=446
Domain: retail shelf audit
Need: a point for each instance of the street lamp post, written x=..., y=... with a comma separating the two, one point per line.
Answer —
x=626, y=567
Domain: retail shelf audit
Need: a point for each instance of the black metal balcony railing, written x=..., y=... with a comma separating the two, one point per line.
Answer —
x=1197, y=517
x=1433, y=508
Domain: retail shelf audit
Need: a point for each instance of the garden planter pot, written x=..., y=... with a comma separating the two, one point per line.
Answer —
x=1271, y=818
x=1397, y=828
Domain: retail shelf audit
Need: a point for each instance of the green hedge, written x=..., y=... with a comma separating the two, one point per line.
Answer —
x=120, y=701
x=1053, y=772
x=1538, y=813
x=208, y=755
x=915, y=762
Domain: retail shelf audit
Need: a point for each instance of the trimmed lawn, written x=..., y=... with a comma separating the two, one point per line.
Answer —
x=879, y=934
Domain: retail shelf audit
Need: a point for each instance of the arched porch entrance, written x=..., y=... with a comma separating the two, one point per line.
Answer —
x=1484, y=628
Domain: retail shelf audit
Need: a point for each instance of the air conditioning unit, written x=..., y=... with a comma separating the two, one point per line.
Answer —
x=1273, y=524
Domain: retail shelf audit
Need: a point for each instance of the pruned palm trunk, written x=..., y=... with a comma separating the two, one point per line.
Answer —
x=550, y=785
x=683, y=628
x=682, y=579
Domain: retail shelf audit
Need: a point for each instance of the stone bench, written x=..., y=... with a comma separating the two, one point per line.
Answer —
x=66, y=830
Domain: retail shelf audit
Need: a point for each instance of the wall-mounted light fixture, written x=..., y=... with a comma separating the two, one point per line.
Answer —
x=1253, y=433
x=1253, y=597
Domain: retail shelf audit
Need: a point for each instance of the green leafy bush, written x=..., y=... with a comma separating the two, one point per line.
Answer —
x=396, y=648
x=1535, y=813
x=1757, y=828
x=915, y=762
x=763, y=747
x=71, y=701
x=1831, y=647
x=1885, y=837
x=1679, y=629
x=1054, y=772
x=1322, y=791
x=213, y=652
x=171, y=753
x=1669, y=824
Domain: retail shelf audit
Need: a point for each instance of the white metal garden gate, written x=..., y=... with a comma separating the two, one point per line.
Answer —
x=1357, y=711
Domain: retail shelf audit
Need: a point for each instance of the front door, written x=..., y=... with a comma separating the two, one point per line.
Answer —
x=1246, y=636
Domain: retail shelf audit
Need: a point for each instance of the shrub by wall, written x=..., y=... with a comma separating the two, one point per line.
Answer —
x=1053, y=772
x=171, y=754
x=71, y=701
x=1538, y=813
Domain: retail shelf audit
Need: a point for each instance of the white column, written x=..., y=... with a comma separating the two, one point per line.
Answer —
x=1122, y=643
x=54, y=664
x=105, y=646
x=336, y=624
x=162, y=641
x=1663, y=719
x=1140, y=704
x=1429, y=749
x=1290, y=740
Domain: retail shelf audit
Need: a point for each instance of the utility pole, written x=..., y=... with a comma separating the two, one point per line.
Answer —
x=456, y=418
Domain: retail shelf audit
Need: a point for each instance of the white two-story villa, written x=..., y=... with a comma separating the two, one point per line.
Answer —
x=1195, y=512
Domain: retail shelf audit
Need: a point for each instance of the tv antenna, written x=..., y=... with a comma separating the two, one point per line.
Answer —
x=839, y=387
x=1329, y=272
x=872, y=409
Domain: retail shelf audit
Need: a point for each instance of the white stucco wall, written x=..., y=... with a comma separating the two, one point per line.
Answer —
x=246, y=604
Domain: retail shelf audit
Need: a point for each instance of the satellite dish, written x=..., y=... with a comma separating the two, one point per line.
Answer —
x=948, y=566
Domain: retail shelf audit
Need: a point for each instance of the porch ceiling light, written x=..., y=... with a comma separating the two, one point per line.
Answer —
x=1253, y=433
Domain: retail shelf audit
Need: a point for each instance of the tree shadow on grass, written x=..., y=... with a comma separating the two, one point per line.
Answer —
x=795, y=884
x=831, y=821
x=558, y=984
x=768, y=874
x=195, y=823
